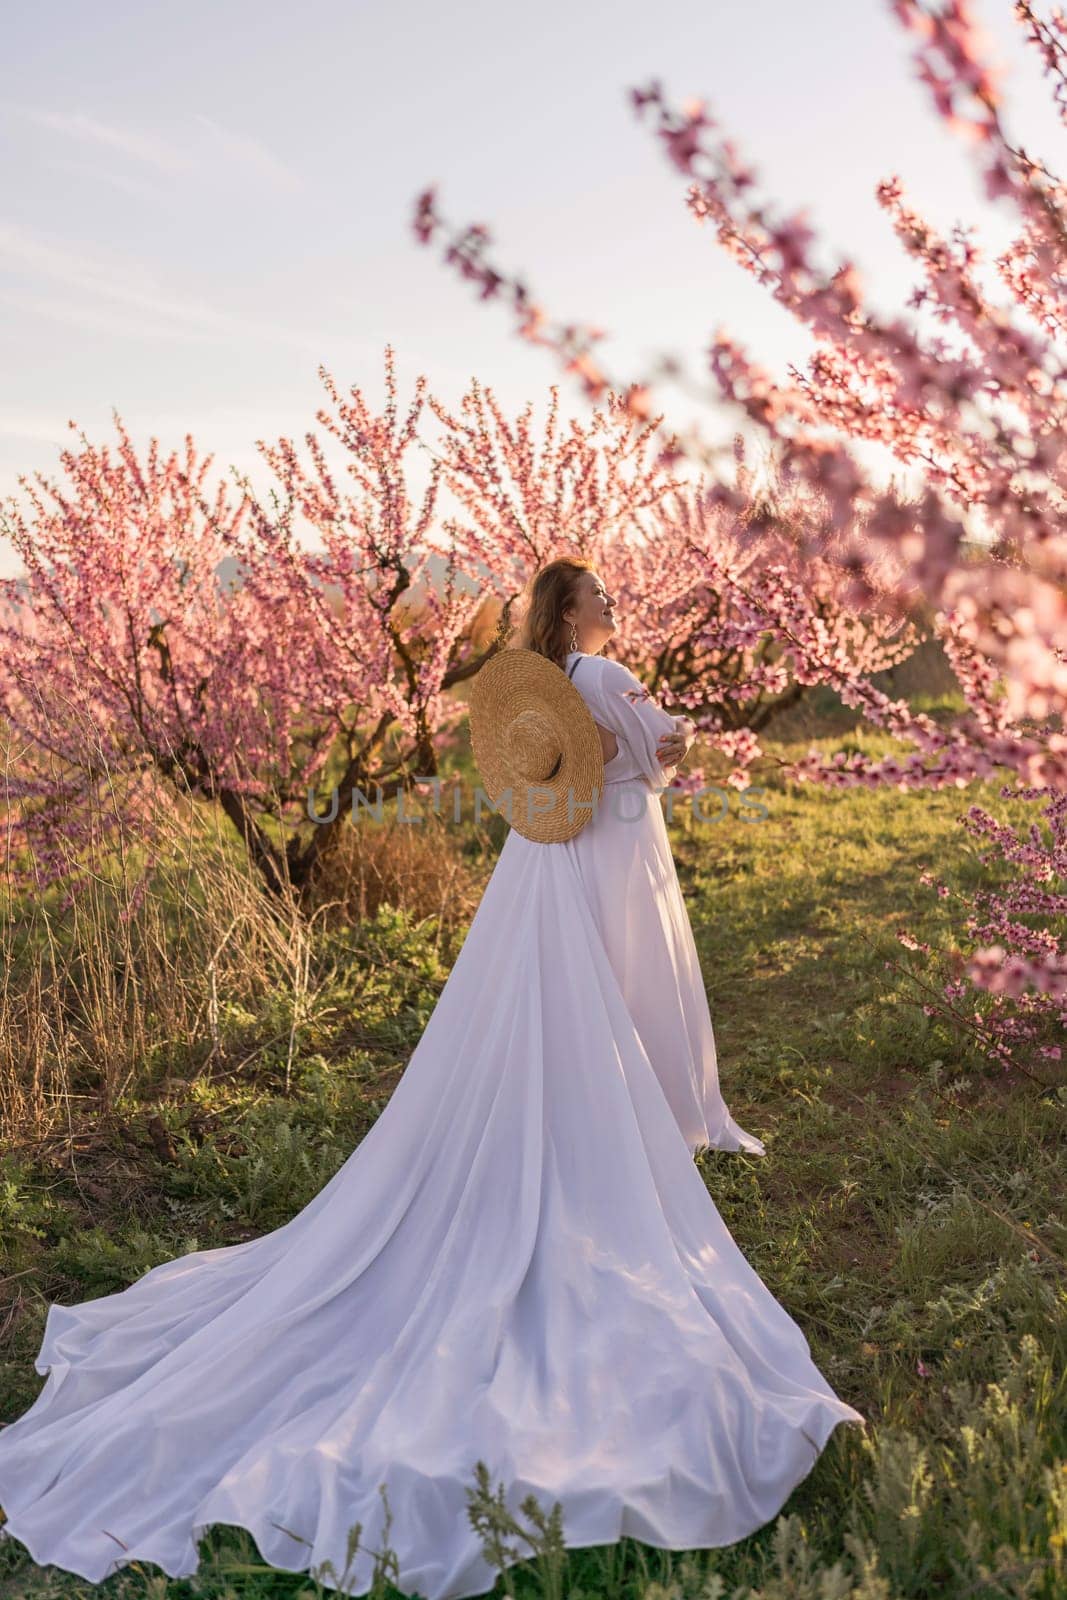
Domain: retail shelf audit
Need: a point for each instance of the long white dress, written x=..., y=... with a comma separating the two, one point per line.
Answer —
x=520, y=1263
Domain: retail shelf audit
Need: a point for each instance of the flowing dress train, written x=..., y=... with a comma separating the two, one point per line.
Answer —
x=519, y=1263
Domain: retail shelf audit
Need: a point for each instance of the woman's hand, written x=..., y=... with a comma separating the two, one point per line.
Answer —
x=673, y=748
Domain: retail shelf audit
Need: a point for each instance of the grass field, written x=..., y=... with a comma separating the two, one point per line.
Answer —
x=167, y=1088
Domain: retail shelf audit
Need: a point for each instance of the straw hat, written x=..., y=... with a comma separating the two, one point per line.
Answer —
x=533, y=733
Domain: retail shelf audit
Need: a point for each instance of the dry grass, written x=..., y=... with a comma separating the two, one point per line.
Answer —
x=139, y=976
x=417, y=866
x=909, y=1213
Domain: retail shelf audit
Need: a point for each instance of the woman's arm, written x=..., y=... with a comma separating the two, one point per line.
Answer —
x=625, y=706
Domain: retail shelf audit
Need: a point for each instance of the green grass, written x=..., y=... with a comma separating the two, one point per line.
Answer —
x=909, y=1213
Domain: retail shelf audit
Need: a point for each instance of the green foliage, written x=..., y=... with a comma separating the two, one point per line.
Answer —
x=103, y=1261
x=977, y=1504
x=909, y=1212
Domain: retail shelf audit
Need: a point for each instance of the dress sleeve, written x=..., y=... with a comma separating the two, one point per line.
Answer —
x=624, y=705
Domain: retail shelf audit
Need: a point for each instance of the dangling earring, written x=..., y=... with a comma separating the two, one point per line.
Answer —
x=574, y=637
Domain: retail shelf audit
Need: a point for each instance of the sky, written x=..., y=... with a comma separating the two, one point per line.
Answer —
x=203, y=203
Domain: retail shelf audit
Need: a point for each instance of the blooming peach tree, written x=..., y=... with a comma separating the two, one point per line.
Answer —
x=722, y=614
x=170, y=631
x=976, y=412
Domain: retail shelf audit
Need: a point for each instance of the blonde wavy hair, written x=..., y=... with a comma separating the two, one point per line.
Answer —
x=548, y=594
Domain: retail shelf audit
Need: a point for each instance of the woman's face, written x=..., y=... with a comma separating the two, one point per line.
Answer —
x=591, y=613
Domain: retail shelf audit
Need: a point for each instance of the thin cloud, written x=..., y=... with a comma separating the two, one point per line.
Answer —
x=238, y=150
x=244, y=151
x=116, y=280
x=117, y=322
x=138, y=146
x=138, y=187
x=22, y=250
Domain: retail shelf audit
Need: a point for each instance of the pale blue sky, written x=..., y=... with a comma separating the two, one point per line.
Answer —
x=203, y=202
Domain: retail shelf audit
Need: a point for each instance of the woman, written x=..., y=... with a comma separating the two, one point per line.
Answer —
x=624, y=858
x=519, y=1264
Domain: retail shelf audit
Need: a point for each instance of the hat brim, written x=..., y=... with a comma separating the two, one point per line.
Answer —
x=517, y=681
